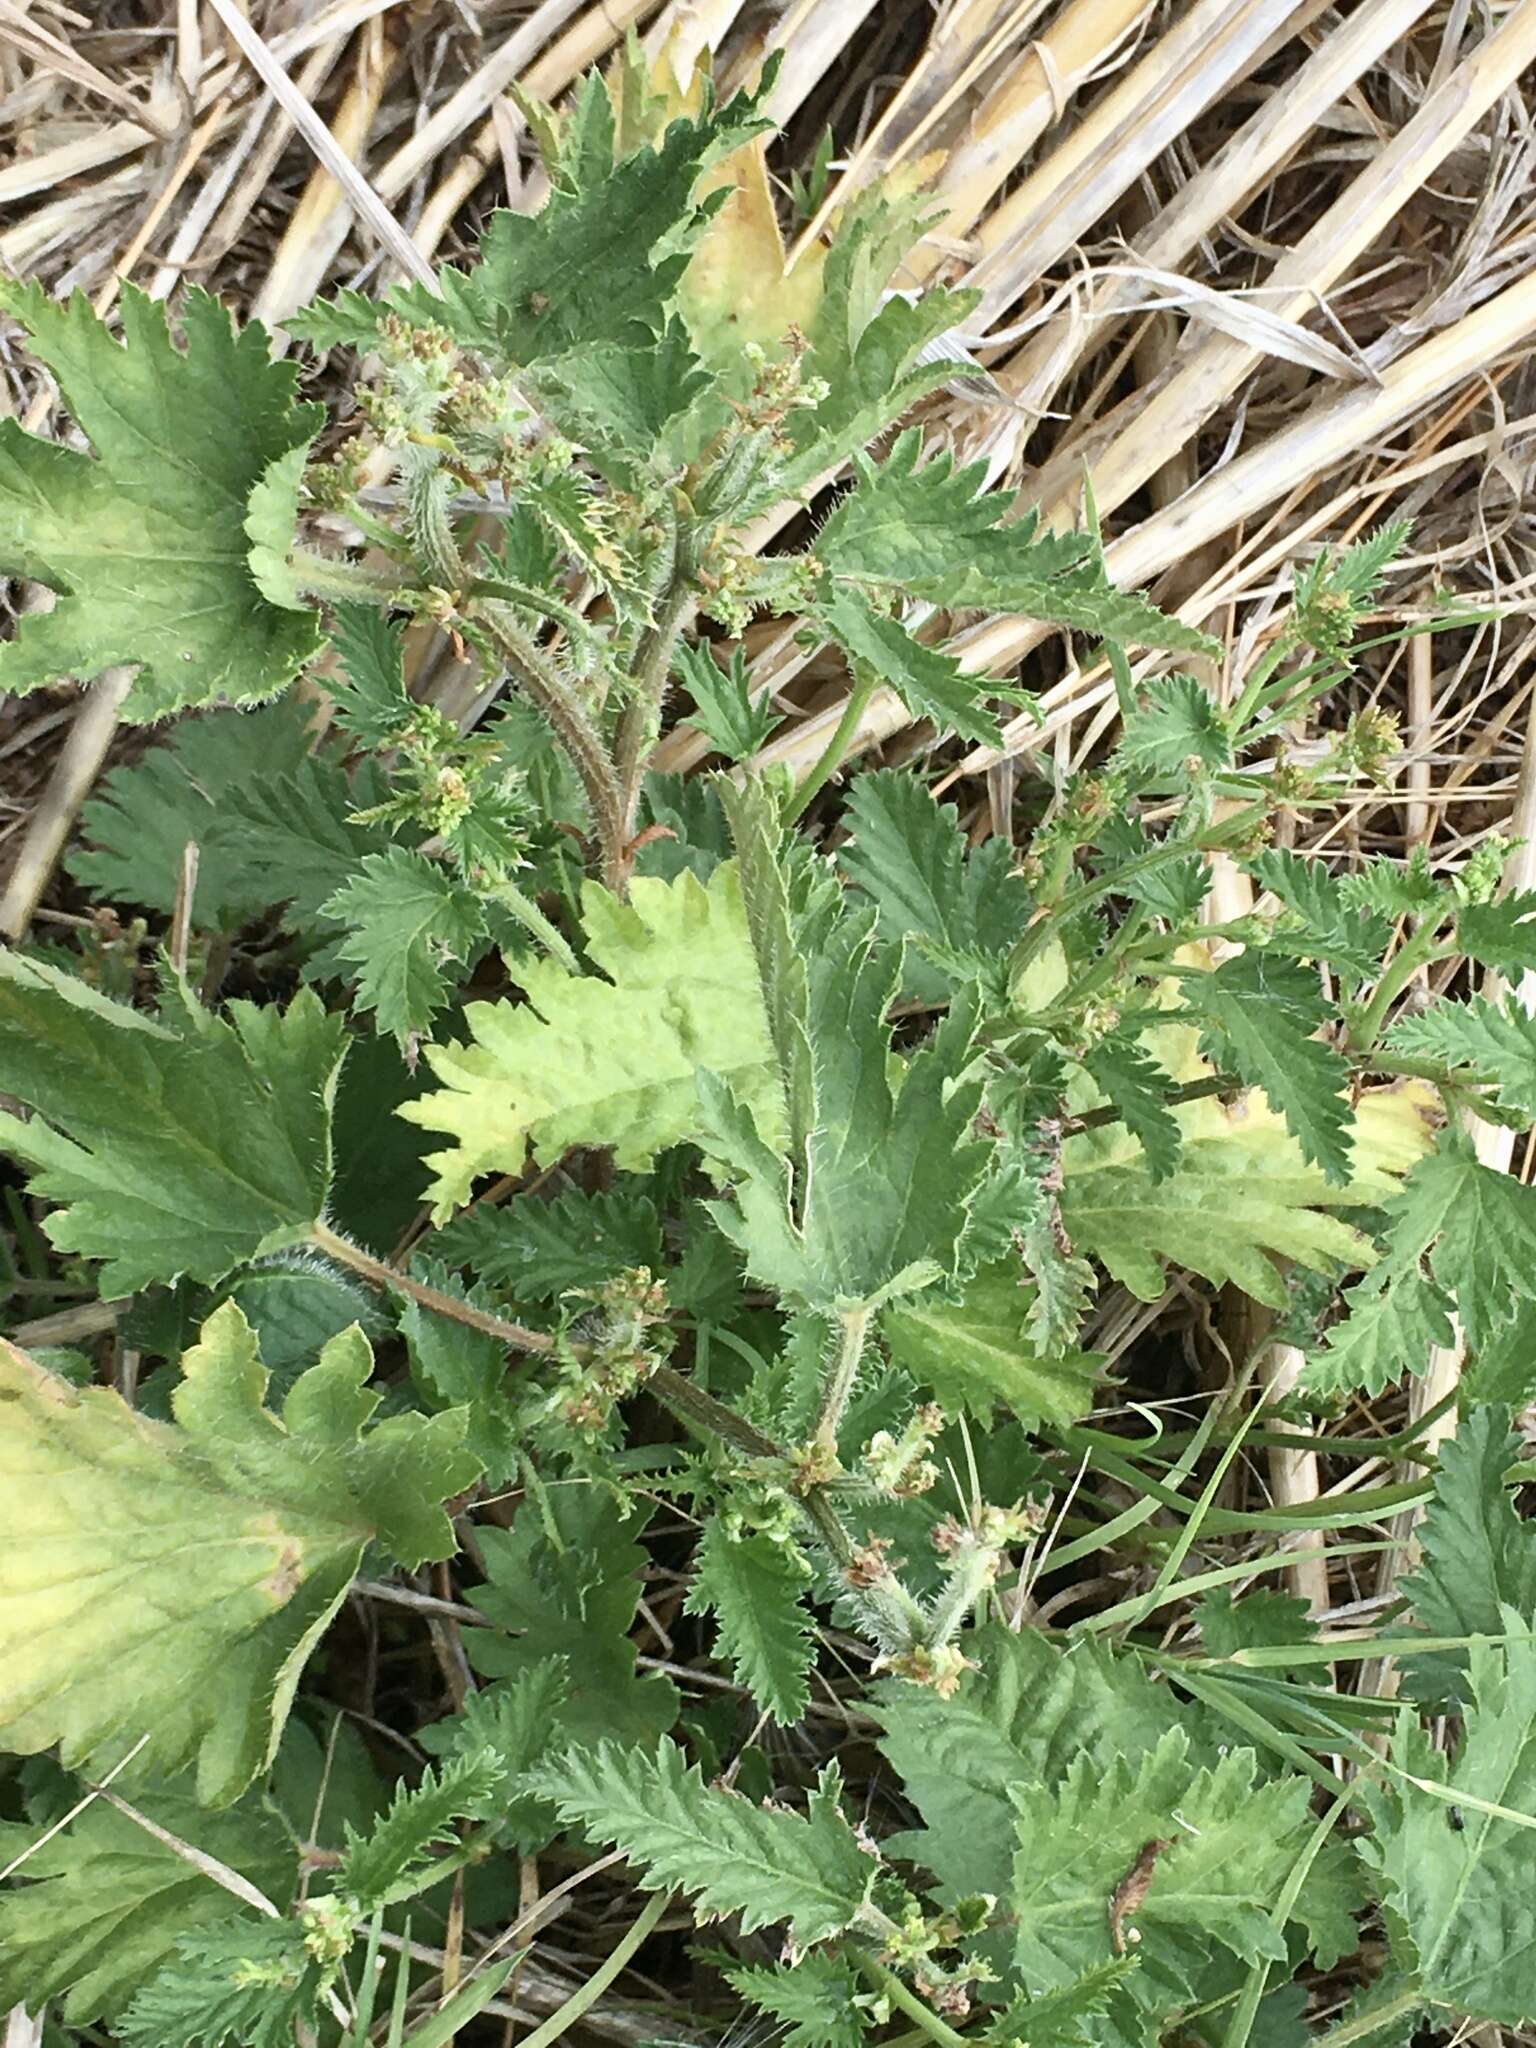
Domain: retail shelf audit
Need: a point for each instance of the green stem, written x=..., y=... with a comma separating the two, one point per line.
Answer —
x=832, y=756
x=692, y=1405
x=516, y=1335
x=581, y=2001
x=905, y=2000
x=532, y=919
x=844, y=1371
x=640, y=720
x=547, y=687
x=1365, y=2023
x=1416, y=952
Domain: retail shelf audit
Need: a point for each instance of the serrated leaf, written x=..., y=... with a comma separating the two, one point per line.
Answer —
x=930, y=683
x=1399, y=889
x=187, y=1147
x=595, y=1061
x=753, y=1587
x=723, y=709
x=136, y=828
x=1460, y=1907
x=765, y=1864
x=99, y=1908
x=1227, y=1847
x=1397, y=1316
x=1323, y=925
x=1496, y=1040
x=1138, y=1087
x=145, y=541
x=1173, y=887
x=517, y=1720
x=961, y=909
x=564, y=1582
x=929, y=531
x=250, y=1980
x=1477, y=1557
x=1020, y=1718
x=627, y=404
x=298, y=839
x=1260, y=1010
x=814, y=1999
x=123, y=1620
x=866, y=345
x=597, y=265
x=1263, y=1617
x=977, y=1354
x=1055, y=2018
x=406, y=918
x=536, y=1251
x=1458, y=1231
x=1501, y=934
x=1179, y=721
x=394, y=1859
x=370, y=694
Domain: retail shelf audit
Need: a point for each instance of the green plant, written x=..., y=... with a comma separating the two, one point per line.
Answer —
x=785, y=1144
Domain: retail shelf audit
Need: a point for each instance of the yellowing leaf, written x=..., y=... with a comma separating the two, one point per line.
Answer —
x=167, y=1584
x=594, y=1061
x=1242, y=1195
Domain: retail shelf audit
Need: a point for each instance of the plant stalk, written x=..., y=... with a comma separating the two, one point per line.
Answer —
x=516, y=1335
x=831, y=759
x=840, y=1379
x=575, y=731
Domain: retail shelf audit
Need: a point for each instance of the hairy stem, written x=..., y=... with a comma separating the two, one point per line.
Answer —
x=640, y=719
x=515, y=1335
x=843, y=1372
x=532, y=919
x=1415, y=953
x=905, y=2000
x=573, y=728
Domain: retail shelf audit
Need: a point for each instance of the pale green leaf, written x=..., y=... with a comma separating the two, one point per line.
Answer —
x=125, y=1619
x=145, y=540
x=609, y=1058
x=187, y=1147
x=766, y=1864
x=1322, y=923
x=977, y=1355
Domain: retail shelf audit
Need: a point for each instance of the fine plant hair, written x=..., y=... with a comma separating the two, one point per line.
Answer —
x=532, y=1179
